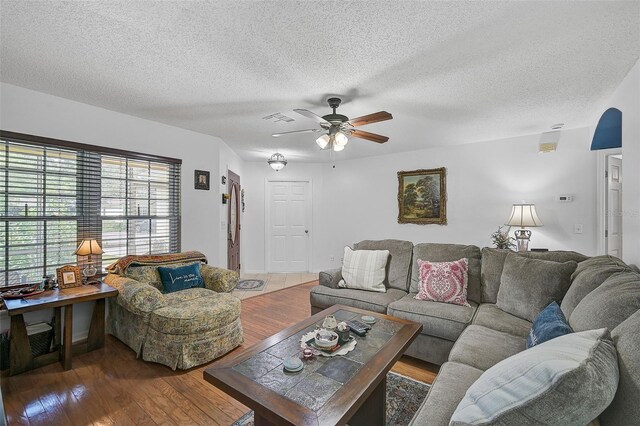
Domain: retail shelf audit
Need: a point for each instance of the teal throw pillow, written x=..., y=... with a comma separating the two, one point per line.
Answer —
x=181, y=278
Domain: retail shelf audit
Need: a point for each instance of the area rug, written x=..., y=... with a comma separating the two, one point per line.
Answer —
x=250, y=285
x=404, y=397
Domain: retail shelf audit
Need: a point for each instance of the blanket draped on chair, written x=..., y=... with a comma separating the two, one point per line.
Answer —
x=120, y=266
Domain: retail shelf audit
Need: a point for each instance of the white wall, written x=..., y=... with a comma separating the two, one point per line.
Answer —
x=36, y=113
x=627, y=99
x=358, y=199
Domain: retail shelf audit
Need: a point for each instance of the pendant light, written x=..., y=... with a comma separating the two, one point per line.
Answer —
x=277, y=161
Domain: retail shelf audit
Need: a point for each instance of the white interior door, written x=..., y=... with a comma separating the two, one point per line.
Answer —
x=613, y=232
x=288, y=226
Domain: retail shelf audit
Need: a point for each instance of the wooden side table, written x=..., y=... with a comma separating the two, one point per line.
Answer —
x=21, y=358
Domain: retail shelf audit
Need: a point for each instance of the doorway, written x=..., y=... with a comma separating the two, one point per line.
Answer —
x=610, y=203
x=613, y=231
x=288, y=226
x=233, y=235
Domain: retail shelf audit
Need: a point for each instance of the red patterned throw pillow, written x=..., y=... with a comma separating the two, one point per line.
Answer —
x=444, y=281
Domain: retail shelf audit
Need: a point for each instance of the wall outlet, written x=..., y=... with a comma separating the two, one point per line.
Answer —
x=577, y=228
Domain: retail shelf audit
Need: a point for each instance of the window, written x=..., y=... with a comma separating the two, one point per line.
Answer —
x=54, y=194
x=136, y=207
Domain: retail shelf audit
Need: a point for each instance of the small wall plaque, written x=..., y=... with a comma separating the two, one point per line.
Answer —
x=202, y=179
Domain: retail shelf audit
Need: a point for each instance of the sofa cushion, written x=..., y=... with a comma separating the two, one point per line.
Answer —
x=528, y=285
x=364, y=269
x=587, y=277
x=493, y=263
x=609, y=304
x=448, y=253
x=324, y=297
x=625, y=405
x=442, y=320
x=220, y=280
x=200, y=315
x=399, y=262
x=445, y=394
x=186, y=295
x=444, y=282
x=490, y=316
x=145, y=274
x=430, y=348
x=482, y=347
x=565, y=381
x=549, y=324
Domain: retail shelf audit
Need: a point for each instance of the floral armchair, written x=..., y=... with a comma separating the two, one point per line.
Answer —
x=181, y=329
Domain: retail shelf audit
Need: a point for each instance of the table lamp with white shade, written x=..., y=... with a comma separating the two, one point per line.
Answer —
x=524, y=216
x=88, y=248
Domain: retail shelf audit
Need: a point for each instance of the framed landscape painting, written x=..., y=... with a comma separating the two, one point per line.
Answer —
x=422, y=196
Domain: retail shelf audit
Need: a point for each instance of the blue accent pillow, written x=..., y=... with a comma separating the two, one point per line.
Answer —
x=549, y=324
x=181, y=277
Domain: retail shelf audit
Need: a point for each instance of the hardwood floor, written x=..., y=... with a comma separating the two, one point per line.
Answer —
x=110, y=386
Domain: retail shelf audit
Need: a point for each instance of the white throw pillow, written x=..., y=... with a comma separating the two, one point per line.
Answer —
x=364, y=269
x=568, y=380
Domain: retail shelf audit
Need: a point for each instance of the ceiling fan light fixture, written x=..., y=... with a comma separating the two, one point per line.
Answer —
x=323, y=141
x=341, y=139
x=337, y=147
x=277, y=161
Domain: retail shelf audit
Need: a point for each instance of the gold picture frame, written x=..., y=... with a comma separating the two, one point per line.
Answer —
x=69, y=276
x=422, y=196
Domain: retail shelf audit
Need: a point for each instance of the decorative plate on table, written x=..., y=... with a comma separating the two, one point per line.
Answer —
x=19, y=295
x=343, y=350
x=368, y=319
x=292, y=364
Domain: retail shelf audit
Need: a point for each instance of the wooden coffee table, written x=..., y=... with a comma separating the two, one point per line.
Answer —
x=329, y=390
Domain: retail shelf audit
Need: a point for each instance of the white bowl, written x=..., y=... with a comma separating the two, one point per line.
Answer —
x=326, y=339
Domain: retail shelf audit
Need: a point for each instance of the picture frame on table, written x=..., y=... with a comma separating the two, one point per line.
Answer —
x=422, y=196
x=69, y=276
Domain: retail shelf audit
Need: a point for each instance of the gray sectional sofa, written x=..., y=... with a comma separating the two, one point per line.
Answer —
x=466, y=341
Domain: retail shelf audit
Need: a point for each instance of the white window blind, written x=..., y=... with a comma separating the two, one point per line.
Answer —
x=54, y=194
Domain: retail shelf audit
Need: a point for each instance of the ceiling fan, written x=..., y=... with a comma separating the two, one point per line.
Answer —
x=338, y=127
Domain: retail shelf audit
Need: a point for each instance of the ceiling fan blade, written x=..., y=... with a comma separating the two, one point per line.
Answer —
x=297, y=131
x=371, y=118
x=369, y=136
x=314, y=117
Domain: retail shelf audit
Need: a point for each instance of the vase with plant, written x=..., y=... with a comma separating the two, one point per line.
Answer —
x=502, y=240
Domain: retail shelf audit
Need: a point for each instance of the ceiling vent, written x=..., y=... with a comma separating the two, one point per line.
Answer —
x=278, y=116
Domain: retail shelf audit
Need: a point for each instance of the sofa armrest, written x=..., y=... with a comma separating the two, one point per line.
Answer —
x=135, y=296
x=219, y=280
x=330, y=278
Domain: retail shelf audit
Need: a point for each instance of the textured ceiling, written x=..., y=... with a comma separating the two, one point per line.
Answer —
x=450, y=72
